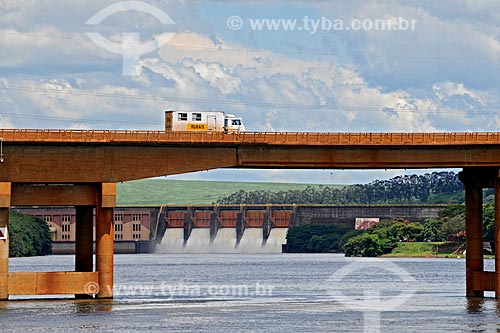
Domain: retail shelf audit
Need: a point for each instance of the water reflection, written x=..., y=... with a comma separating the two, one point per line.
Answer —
x=475, y=304
x=92, y=306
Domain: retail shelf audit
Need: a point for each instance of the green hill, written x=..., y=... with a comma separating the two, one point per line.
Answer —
x=180, y=192
x=437, y=187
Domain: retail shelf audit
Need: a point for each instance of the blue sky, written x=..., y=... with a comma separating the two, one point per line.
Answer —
x=441, y=76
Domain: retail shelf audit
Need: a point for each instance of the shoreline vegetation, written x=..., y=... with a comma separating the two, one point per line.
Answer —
x=440, y=237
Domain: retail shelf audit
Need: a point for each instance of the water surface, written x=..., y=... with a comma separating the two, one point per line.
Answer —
x=262, y=293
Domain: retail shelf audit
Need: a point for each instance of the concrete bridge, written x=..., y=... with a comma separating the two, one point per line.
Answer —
x=81, y=168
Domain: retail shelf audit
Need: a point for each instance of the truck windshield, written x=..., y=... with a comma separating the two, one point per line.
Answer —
x=236, y=122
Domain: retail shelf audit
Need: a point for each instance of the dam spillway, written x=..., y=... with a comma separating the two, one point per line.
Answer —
x=229, y=230
x=225, y=241
x=260, y=228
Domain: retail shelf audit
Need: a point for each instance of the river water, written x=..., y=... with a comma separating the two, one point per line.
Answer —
x=262, y=293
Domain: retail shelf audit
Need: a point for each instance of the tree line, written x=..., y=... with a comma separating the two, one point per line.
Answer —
x=400, y=189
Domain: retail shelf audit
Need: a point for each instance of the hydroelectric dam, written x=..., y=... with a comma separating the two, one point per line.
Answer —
x=219, y=228
x=263, y=228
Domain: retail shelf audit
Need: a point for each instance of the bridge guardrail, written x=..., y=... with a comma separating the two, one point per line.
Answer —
x=276, y=138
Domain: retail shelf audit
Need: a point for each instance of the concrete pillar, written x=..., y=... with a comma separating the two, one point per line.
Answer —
x=497, y=237
x=214, y=226
x=5, y=200
x=240, y=227
x=474, y=230
x=267, y=224
x=188, y=224
x=105, y=239
x=83, y=243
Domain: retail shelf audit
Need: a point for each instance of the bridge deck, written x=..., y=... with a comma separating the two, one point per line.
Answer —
x=267, y=138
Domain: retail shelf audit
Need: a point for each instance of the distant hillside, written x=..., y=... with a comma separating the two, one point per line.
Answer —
x=180, y=192
x=437, y=187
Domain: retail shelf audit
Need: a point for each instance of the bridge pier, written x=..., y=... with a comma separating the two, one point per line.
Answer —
x=84, y=282
x=84, y=237
x=5, y=201
x=497, y=236
x=105, y=239
x=477, y=280
x=474, y=230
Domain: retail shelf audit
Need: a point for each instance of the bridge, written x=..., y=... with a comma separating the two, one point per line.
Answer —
x=81, y=169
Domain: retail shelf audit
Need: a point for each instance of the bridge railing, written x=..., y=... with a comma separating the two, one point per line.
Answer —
x=277, y=138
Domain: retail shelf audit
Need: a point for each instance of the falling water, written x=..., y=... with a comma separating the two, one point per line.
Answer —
x=198, y=241
x=253, y=238
x=172, y=242
x=276, y=239
x=224, y=242
x=251, y=242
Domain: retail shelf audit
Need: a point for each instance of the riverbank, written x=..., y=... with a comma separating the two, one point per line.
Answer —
x=427, y=250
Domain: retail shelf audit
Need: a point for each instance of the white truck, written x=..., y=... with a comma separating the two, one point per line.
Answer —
x=216, y=121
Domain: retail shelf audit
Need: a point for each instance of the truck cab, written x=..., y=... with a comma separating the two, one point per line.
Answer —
x=233, y=124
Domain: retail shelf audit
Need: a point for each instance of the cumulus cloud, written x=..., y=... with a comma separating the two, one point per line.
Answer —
x=451, y=42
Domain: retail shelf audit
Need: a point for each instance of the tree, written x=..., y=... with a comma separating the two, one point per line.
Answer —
x=28, y=236
x=489, y=222
x=322, y=244
x=413, y=231
x=452, y=227
x=397, y=231
x=314, y=238
x=366, y=245
x=432, y=228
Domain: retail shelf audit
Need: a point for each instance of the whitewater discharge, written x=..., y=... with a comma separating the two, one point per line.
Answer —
x=224, y=242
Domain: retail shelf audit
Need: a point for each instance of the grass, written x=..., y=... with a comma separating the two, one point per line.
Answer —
x=183, y=192
x=424, y=249
x=160, y=191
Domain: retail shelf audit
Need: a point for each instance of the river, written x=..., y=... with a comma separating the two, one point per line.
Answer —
x=262, y=293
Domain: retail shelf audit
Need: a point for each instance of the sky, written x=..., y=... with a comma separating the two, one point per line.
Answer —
x=316, y=66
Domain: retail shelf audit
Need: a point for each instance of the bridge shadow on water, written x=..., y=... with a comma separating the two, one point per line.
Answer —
x=477, y=305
